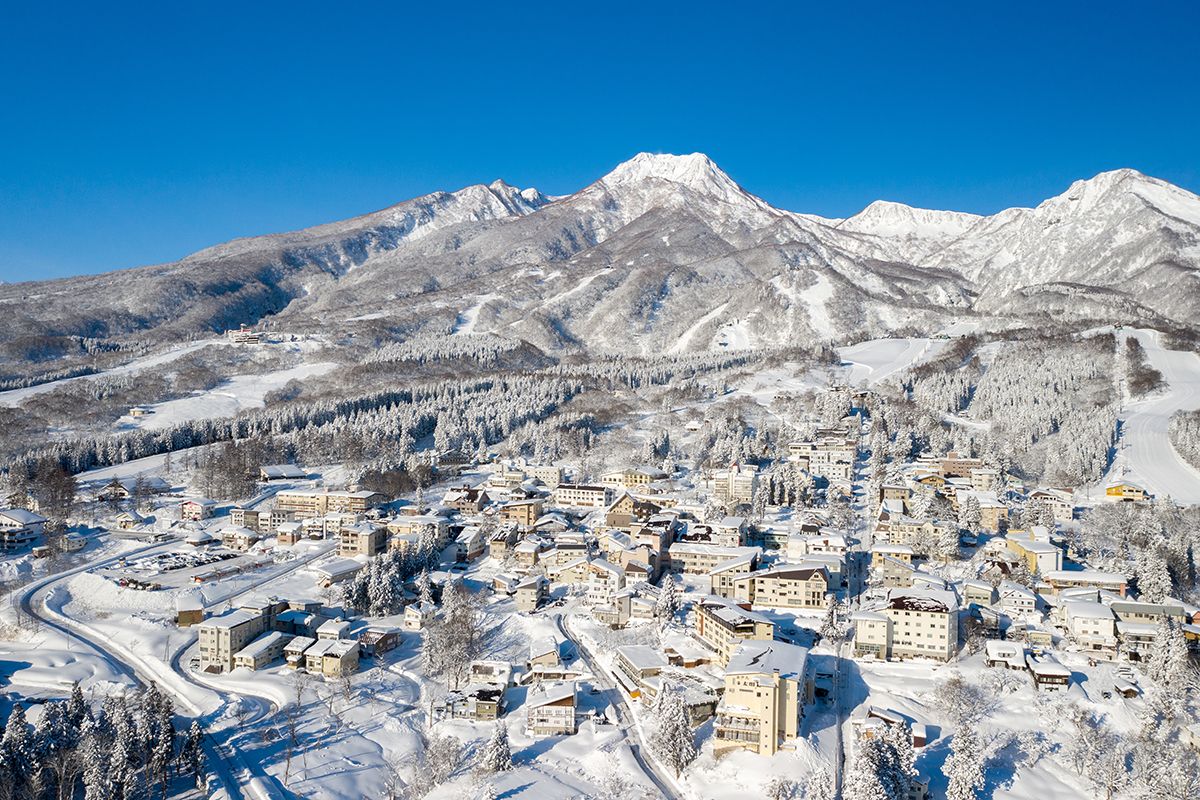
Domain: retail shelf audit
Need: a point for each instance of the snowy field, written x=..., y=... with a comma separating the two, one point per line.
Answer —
x=872, y=361
x=238, y=393
x=17, y=396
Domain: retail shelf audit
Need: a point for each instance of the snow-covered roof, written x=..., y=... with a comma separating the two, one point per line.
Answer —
x=21, y=516
x=261, y=645
x=758, y=657
x=547, y=692
x=642, y=657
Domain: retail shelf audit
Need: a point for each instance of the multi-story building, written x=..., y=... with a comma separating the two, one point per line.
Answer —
x=19, y=527
x=699, y=559
x=363, y=539
x=921, y=623
x=550, y=708
x=577, y=495
x=318, y=502
x=723, y=577
x=736, y=484
x=632, y=478
x=766, y=689
x=785, y=586
x=723, y=625
x=223, y=636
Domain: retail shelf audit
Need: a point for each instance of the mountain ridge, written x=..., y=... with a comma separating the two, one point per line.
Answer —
x=633, y=260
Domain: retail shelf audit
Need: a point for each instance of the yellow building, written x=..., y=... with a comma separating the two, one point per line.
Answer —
x=766, y=689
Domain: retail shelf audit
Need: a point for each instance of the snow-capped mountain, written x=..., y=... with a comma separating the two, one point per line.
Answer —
x=664, y=253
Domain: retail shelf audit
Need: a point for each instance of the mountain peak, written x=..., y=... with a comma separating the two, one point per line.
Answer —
x=887, y=218
x=695, y=172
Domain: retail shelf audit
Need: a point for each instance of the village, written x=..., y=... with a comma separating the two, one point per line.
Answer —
x=777, y=610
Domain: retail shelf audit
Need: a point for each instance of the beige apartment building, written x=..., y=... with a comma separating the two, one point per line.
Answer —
x=785, y=586
x=319, y=502
x=912, y=623
x=700, y=559
x=766, y=689
x=736, y=484
x=723, y=625
x=223, y=637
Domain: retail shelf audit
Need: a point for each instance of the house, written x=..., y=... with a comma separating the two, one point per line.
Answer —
x=900, y=552
x=236, y=538
x=576, y=495
x=978, y=593
x=1125, y=491
x=993, y=513
x=128, y=520
x=336, y=628
x=723, y=625
x=189, y=610
x=280, y=472
x=19, y=527
x=196, y=509
x=289, y=533
x=1038, y=553
x=543, y=652
x=479, y=702
x=784, y=586
x=910, y=623
x=1136, y=639
x=200, y=538
x=766, y=689
x=418, y=615
x=223, y=636
x=604, y=579
x=1009, y=655
x=1017, y=600
x=531, y=593
x=1091, y=625
x=340, y=658
x=469, y=545
x=262, y=651
x=1048, y=674
x=550, y=708
x=293, y=651
x=466, y=500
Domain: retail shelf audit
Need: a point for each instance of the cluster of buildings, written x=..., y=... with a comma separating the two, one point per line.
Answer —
x=261, y=632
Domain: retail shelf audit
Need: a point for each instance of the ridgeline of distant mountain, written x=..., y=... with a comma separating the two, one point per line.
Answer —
x=664, y=254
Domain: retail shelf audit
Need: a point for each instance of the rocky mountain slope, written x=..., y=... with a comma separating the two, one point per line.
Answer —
x=663, y=254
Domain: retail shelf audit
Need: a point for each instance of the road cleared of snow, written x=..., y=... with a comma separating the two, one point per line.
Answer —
x=1146, y=454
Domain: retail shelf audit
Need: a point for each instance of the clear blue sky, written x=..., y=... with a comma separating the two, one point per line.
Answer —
x=135, y=135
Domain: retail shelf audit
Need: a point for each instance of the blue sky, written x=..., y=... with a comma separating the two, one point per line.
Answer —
x=133, y=135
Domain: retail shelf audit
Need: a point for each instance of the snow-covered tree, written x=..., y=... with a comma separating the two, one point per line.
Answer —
x=671, y=739
x=818, y=785
x=864, y=777
x=496, y=755
x=667, y=605
x=780, y=788
x=964, y=767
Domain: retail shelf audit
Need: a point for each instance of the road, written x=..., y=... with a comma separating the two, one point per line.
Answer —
x=856, y=567
x=616, y=698
x=29, y=604
x=1145, y=450
x=256, y=783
